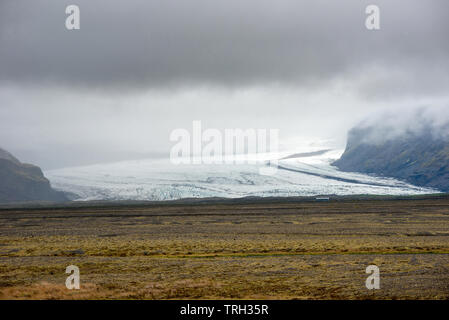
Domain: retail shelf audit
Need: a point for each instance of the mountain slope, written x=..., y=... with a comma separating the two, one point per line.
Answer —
x=24, y=182
x=419, y=157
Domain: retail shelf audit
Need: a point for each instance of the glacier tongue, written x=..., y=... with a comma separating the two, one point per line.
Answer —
x=158, y=179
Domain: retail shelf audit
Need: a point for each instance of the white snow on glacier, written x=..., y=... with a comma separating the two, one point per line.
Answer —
x=159, y=179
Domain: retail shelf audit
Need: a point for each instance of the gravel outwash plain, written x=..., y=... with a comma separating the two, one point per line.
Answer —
x=279, y=249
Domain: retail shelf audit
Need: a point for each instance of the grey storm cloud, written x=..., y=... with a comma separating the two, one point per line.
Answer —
x=138, y=69
x=154, y=44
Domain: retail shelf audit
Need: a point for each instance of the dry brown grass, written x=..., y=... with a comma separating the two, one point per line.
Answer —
x=231, y=251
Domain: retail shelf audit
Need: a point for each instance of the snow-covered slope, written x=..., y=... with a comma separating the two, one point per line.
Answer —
x=157, y=179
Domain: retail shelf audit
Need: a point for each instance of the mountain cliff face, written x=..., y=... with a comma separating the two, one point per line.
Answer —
x=24, y=182
x=419, y=157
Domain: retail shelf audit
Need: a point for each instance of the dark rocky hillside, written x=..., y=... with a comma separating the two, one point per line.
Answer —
x=419, y=157
x=24, y=182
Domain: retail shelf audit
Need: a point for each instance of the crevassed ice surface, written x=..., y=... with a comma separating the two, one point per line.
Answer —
x=159, y=179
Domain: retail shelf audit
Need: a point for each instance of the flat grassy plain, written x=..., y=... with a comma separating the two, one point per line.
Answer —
x=252, y=249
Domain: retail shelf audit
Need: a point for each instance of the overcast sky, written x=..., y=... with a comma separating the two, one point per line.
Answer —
x=136, y=70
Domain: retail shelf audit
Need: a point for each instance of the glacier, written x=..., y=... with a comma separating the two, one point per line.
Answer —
x=159, y=179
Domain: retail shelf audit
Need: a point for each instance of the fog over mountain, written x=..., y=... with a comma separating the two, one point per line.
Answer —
x=432, y=121
x=136, y=70
x=413, y=148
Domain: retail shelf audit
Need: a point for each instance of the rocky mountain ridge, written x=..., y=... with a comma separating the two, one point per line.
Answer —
x=24, y=182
